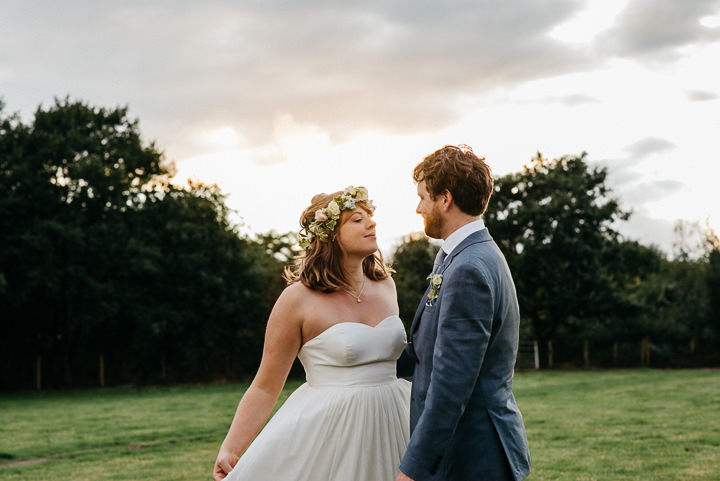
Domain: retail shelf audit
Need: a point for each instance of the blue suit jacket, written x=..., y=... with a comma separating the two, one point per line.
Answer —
x=464, y=422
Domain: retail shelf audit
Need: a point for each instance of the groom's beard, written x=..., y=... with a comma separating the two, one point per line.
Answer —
x=434, y=224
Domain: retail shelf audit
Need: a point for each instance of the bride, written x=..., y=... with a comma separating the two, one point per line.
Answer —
x=339, y=316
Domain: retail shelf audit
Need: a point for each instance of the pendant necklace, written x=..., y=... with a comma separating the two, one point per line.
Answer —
x=361, y=290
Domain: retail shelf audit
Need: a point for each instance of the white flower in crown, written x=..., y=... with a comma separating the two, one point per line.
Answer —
x=320, y=216
x=333, y=209
x=361, y=194
x=326, y=219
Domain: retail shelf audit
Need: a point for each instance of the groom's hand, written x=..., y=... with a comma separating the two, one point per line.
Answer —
x=403, y=477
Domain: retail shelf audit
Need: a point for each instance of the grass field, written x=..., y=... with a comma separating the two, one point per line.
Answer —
x=594, y=425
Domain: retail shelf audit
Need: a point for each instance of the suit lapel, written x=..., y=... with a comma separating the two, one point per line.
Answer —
x=418, y=312
x=474, y=238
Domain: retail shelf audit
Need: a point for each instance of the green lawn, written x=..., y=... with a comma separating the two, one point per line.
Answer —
x=594, y=425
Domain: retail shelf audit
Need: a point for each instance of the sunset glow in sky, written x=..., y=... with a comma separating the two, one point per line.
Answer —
x=277, y=100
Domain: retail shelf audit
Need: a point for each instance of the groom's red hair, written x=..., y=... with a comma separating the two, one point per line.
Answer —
x=457, y=169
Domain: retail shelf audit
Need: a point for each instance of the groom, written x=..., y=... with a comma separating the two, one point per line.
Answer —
x=464, y=422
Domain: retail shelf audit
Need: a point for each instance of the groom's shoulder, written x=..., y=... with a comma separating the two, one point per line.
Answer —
x=479, y=242
x=483, y=253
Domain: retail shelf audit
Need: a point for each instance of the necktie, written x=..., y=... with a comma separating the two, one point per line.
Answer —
x=439, y=258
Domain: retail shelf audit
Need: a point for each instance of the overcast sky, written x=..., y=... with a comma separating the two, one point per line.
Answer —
x=276, y=101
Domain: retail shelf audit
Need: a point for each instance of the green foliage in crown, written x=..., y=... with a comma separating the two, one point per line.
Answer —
x=326, y=219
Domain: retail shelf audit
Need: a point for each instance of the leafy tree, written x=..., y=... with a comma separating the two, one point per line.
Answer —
x=102, y=257
x=554, y=223
x=713, y=286
x=65, y=176
x=687, y=327
x=639, y=288
x=413, y=261
x=284, y=247
x=211, y=290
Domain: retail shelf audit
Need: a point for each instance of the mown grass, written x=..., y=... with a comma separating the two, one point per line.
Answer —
x=622, y=425
x=594, y=425
x=117, y=434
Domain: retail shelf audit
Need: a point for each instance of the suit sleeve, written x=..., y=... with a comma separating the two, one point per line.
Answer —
x=465, y=306
x=405, y=364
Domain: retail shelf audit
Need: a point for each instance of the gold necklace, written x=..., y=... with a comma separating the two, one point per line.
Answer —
x=361, y=290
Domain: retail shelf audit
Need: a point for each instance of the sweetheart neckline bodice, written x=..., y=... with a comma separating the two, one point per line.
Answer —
x=349, y=322
x=354, y=354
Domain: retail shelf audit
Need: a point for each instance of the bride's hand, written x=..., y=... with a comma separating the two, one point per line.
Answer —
x=403, y=477
x=224, y=463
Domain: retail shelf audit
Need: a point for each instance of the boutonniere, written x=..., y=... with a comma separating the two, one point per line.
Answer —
x=435, y=282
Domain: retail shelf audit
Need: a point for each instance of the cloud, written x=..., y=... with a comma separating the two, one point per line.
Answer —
x=648, y=146
x=656, y=29
x=650, y=191
x=627, y=176
x=249, y=87
x=622, y=172
x=399, y=67
x=571, y=100
x=700, y=95
x=626, y=173
x=648, y=229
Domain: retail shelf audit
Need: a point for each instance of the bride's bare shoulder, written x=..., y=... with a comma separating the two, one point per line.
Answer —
x=387, y=287
x=387, y=283
x=296, y=295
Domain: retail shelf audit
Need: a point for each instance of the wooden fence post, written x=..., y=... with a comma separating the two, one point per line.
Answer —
x=615, y=353
x=38, y=373
x=102, y=370
x=550, y=354
x=645, y=351
x=692, y=348
x=642, y=352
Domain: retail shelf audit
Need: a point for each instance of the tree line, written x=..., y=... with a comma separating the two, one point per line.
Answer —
x=111, y=274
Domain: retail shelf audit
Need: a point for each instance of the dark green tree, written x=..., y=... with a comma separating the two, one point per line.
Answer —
x=713, y=286
x=66, y=179
x=207, y=291
x=107, y=266
x=638, y=284
x=685, y=329
x=554, y=221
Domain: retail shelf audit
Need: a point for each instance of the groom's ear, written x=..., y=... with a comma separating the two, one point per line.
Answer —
x=447, y=200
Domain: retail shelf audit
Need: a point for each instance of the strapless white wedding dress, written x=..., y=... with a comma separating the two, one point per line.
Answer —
x=348, y=422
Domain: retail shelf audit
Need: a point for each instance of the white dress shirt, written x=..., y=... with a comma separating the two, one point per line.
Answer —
x=461, y=234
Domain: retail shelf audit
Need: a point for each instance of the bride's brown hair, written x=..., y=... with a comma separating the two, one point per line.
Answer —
x=320, y=266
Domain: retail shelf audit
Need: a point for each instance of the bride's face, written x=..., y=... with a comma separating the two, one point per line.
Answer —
x=356, y=234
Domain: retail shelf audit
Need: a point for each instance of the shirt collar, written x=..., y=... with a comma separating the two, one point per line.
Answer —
x=461, y=234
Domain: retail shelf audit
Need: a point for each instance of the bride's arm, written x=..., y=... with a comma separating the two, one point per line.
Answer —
x=283, y=339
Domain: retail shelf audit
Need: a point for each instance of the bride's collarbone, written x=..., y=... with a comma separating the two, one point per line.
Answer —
x=324, y=311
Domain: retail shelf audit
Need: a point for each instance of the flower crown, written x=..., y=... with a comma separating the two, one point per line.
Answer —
x=326, y=219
